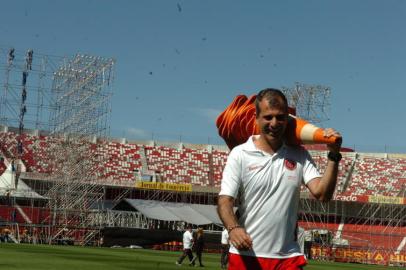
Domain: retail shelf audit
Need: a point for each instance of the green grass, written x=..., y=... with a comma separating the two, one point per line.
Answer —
x=44, y=257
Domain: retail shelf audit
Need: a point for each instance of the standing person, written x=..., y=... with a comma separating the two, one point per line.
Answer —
x=265, y=175
x=187, y=246
x=198, y=245
x=7, y=233
x=308, y=244
x=225, y=246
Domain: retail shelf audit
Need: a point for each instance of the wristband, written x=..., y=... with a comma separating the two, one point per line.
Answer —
x=336, y=157
x=230, y=228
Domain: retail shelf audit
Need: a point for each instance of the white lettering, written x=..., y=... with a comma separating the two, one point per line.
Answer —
x=349, y=198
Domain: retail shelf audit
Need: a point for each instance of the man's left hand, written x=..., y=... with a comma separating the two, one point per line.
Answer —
x=333, y=147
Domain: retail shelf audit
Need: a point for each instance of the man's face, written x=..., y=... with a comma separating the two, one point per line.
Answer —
x=272, y=121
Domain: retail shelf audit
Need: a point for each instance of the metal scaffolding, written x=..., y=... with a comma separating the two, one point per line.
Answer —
x=312, y=102
x=24, y=98
x=354, y=226
x=26, y=84
x=81, y=94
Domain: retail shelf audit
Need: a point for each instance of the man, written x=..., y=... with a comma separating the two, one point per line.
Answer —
x=187, y=246
x=308, y=244
x=265, y=175
x=224, y=248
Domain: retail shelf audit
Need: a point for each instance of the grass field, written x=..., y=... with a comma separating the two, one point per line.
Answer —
x=44, y=257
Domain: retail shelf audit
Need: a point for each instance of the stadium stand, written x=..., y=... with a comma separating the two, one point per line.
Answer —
x=374, y=175
x=365, y=174
x=219, y=161
x=122, y=160
x=35, y=153
x=183, y=165
x=359, y=174
x=345, y=167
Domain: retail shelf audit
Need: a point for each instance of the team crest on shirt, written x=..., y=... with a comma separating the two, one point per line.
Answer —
x=290, y=164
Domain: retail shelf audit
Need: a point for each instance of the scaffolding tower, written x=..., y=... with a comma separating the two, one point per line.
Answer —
x=24, y=99
x=81, y=103
x=26, y=81
x=312, y=102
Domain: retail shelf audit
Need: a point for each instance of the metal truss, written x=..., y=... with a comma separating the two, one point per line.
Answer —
x=312, y=102
x=81, y=102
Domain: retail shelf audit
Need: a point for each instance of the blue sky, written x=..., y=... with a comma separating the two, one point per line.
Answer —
x=179, y=63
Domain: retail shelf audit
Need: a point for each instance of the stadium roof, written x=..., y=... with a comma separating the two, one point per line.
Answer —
x=197, y=214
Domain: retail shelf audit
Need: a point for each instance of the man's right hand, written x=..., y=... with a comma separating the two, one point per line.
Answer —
x=240, y=239
x=237, y=236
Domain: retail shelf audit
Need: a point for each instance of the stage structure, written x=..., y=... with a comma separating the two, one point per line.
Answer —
x=81, y=105
x=24, y=99
x=26, y=78
x=312, y=102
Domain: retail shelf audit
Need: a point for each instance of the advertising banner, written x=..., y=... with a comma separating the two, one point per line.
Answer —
x=164, y=186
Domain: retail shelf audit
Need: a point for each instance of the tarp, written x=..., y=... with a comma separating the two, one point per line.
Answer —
x=7, y=186
x=197, y=214
x=153, y=209
x=209, y=211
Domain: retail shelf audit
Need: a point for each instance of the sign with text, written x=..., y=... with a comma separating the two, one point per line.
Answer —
x=386, y=199
x=164, y=186
x=383, y=257
x=369, y=199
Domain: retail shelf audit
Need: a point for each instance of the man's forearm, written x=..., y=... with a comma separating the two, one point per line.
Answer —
x=328, y=181
x=226, y=212
x=239, y=238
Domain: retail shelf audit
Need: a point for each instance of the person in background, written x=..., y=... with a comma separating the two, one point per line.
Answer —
x=7, y=233
x=187, y=246
x=308, y=244
x=198, y=245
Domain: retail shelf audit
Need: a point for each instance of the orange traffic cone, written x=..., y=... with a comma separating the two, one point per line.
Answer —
x=237, y=122
x=300, y=131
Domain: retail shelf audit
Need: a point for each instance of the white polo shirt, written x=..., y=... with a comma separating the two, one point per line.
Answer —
x=268, y=187
x=187, y=240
